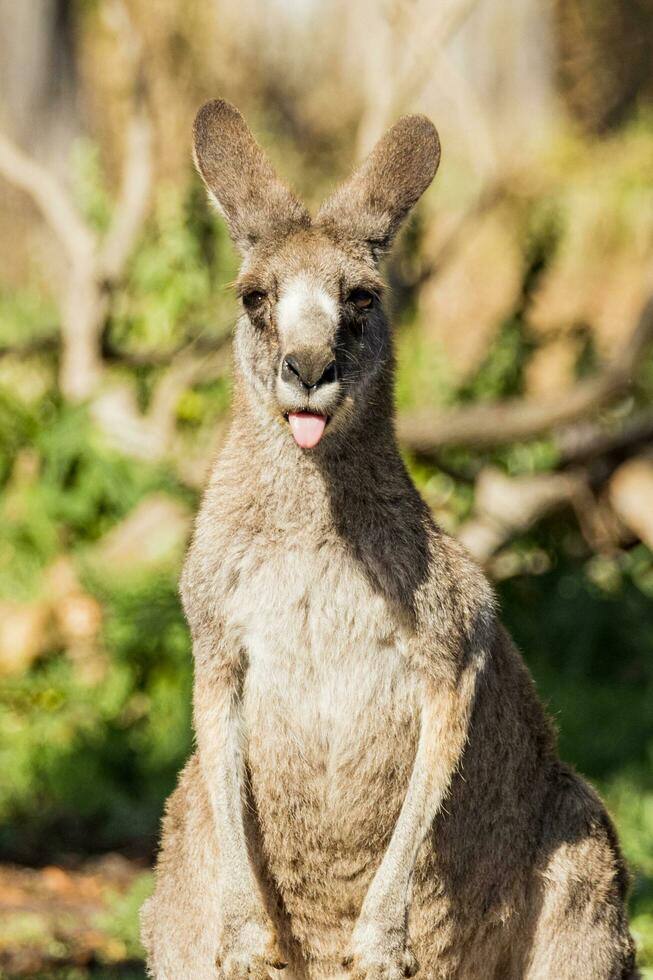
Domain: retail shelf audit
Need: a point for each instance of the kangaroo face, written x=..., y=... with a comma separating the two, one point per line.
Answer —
x=313, y=335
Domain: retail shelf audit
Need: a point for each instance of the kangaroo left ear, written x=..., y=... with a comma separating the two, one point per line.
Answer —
x=372, y=204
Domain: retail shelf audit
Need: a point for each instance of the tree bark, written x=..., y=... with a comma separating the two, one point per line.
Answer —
x=38, y=78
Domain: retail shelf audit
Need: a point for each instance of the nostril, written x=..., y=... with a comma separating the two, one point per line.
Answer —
x=291, y=363
x=329, y=375
x=290, y=370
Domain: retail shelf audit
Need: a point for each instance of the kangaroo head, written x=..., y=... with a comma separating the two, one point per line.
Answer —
x=313, y=340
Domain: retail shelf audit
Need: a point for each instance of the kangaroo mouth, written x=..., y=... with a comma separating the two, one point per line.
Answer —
x=307, y=428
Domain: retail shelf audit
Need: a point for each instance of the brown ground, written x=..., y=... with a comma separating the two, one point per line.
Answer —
x=56, y=921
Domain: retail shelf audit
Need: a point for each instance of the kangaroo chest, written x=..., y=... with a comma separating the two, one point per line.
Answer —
x=330, y=708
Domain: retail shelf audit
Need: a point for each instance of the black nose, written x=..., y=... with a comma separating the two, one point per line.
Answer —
x=309, y=369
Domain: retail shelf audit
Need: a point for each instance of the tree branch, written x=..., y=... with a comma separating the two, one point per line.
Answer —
x=432, y=26
x=430, y=37
x=39, y=345
x=484, y=425
x=133, y=201
x=50, y=197
x=631, y=492
x=585, y=442
x=136, y=187
x=507, y=506
x=187, y=370
x=151, y=435
x=51, y=343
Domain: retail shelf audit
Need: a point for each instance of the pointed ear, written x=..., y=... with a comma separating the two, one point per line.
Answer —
x=371, y=205
x=240, y=179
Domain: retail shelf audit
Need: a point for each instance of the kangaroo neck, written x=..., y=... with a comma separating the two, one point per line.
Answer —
x=342, y=479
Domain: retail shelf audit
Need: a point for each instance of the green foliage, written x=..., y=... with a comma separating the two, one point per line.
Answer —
x=73, y=489
x=86, y=764
x=177, y=282
x=500, y=374
x=423, y=378
x=25, y=314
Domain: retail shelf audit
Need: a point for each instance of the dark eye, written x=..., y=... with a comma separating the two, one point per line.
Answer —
x=253, y=298
x=361, y=298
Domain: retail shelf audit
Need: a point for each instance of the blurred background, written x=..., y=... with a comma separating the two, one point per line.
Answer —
x=522, y=295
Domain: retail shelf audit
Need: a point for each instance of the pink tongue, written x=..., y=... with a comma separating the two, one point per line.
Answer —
x=306, y=429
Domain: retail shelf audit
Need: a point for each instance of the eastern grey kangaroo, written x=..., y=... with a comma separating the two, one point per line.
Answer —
x=376, y=791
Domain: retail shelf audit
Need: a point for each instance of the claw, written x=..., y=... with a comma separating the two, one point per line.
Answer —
x=387, y=970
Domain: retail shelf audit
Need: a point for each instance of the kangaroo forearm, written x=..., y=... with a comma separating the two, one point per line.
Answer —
x=444, y=730
x=219, y=742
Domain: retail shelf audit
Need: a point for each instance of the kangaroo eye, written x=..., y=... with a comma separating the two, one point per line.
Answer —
x=361, y=298
x=253, y=298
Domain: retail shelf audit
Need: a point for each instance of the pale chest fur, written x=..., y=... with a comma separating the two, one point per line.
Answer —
x=329, y=707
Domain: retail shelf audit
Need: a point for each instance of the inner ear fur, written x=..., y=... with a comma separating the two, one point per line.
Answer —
x=371, y=205
x=240, y=179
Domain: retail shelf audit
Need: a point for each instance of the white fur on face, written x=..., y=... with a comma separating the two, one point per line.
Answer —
x=305, y=304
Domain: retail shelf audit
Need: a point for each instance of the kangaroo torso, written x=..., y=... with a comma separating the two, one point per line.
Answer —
x=329, y=704
x=330, y=713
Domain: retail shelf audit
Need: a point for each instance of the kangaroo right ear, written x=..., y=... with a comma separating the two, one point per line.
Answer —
x=240, y=179
x=370, y=206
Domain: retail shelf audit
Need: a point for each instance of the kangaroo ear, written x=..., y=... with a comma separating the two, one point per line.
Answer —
x=371, y=205
x=240, y=179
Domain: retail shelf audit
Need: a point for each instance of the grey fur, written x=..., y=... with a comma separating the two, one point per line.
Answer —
x=375, y=789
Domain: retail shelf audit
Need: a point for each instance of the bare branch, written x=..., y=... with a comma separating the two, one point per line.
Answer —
x=136, y=187
x=132, y=206
x=430, y=37
x=484, y=425
x=152, y=435
x=51, y=343
x=507, y=506
x=201, y=345
x=631, y=492
x=432, y=27
x=490, y=195
x=39, y=345
x=585, y=442
x=52, y=200
x=188, y=369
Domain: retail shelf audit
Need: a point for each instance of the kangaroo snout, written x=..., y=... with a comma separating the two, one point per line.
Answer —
x=308, y=369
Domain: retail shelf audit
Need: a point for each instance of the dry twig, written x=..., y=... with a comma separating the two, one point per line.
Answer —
x=485, y=425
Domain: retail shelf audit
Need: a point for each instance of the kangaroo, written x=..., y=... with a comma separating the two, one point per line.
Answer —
x=375, y=791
